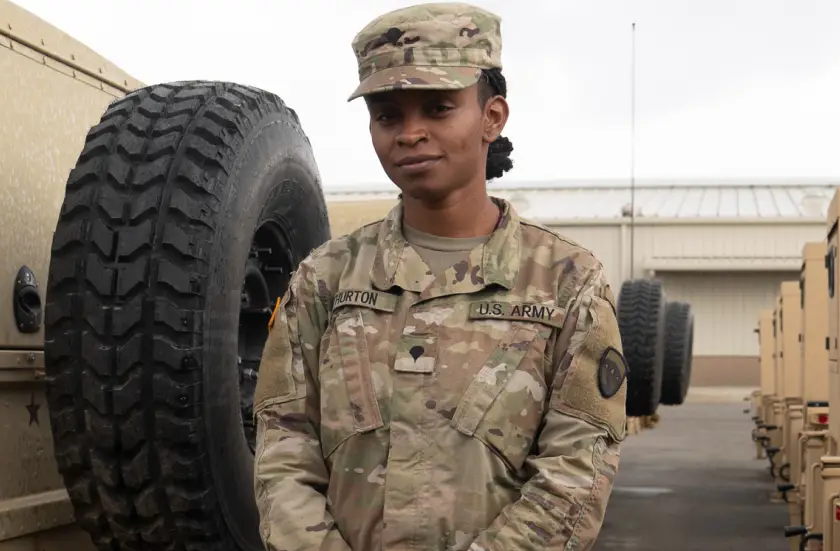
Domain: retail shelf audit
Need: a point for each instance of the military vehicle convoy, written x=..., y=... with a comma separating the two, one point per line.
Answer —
x=795, y=411
x=148, y=231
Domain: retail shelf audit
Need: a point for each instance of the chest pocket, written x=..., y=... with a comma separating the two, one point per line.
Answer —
x=349, y=403
x=504, y=404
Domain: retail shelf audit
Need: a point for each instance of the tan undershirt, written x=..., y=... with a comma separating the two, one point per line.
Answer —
x=441, y=252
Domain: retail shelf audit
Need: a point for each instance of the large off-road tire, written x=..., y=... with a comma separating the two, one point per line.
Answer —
x=679, y=343
x=189, y=207
x=641, y=316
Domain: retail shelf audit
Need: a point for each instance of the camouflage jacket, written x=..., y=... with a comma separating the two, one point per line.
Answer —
x=479, y=410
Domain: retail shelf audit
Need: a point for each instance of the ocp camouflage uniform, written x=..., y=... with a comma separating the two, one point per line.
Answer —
x=430, y=46
x=421, y=393
x=481, y=408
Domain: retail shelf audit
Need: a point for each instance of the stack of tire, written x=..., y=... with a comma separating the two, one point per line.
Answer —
x=657, y=337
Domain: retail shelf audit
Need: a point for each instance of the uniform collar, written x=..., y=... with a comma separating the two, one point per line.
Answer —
x=500, y=256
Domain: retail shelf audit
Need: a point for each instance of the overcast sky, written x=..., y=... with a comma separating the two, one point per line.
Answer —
x=724, y=88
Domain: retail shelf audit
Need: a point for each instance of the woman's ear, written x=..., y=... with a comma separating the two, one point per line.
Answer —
x=496, y=113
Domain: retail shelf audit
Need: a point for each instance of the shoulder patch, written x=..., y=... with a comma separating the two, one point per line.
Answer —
x=365, y=298
x=612, y=369
x=547, y=314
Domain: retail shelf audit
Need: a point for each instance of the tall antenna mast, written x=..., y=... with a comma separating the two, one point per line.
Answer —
x=633, y=153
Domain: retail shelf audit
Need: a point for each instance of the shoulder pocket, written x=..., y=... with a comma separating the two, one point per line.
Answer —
x=281, y=377
x=594, y=387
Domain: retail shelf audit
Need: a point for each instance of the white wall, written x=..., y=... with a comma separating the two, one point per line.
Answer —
x=728, y=272
x=726, y=307
x=699, y=245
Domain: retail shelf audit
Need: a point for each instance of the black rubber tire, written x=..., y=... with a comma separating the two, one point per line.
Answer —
x=641, y=316
x=143, y=308
x=679, y=343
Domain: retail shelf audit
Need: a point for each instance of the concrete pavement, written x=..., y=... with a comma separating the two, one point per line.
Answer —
x=693, y=483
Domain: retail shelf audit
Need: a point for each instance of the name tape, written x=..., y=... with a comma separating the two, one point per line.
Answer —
x=375, y=300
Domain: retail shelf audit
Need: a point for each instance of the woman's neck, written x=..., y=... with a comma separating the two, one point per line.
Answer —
x=465, y=213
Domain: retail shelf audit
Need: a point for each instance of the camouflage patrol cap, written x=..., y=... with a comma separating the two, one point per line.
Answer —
x=442, y=46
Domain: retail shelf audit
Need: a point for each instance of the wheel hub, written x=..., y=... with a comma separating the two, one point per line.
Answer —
x=267, y=273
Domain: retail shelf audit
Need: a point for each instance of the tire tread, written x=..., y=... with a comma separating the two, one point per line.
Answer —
x=640, y=322
x=123, y=334
x=676, y=371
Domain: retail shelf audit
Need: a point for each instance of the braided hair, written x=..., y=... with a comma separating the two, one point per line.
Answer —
x=492, y=83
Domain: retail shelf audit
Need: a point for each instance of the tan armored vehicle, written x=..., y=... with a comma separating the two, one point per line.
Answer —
x=804, y=394
x=797, y=392
x=790, y=324
x=52, y=90
x=826, y=514
x=762, y=399
x=152, y=230
x=820, y=473
x=810, y=436
x=779, y=431
x=770, y=433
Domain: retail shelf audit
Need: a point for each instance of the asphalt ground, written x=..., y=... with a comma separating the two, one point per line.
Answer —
x=692, y=483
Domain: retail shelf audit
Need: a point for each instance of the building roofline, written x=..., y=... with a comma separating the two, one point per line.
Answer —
x=617, y=183
x=677, y=221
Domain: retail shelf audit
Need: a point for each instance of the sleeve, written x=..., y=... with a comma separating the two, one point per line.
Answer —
x=290, y=476
x=562, y=505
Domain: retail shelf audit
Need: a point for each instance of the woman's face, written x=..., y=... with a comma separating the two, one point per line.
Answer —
x=433, y=142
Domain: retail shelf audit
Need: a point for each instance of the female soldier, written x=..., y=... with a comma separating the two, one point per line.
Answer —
x=451, y=376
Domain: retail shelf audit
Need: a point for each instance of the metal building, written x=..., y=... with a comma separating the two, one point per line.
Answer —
x=723, y=246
